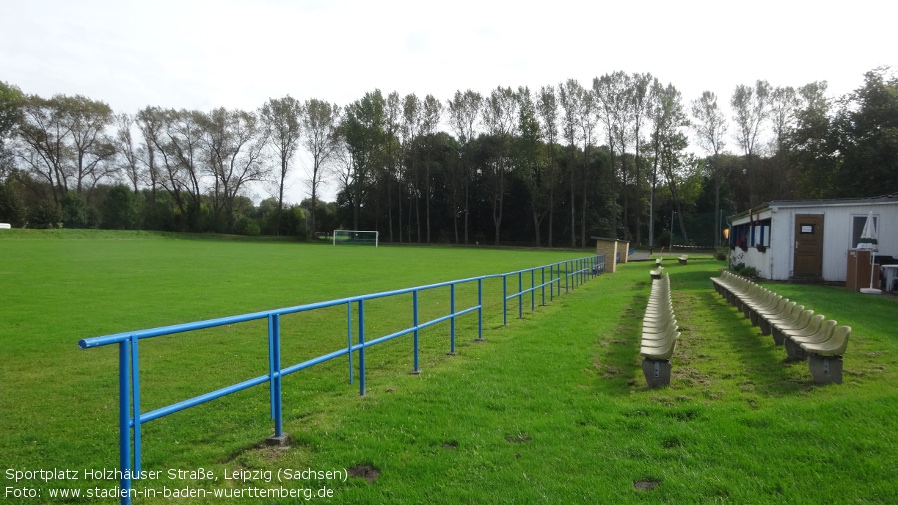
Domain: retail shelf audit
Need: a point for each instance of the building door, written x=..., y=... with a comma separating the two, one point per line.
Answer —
x=808, y=246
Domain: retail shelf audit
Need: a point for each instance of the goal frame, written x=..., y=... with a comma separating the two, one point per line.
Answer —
x=375, y=232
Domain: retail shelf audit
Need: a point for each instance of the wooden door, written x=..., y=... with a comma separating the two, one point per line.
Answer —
x=808, y=246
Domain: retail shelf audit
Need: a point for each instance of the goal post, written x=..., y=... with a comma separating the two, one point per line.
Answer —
x=356, y=237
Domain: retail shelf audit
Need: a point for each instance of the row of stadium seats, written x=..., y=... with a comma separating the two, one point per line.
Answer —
x=805, y=335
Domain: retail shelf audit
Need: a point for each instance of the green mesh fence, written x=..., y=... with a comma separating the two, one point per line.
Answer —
x=698, y=230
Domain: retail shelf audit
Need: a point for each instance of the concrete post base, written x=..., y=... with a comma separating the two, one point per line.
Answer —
x=278, y=441
x=825, y=369
x=778, y=337
x=794, y=352
x=657, y=373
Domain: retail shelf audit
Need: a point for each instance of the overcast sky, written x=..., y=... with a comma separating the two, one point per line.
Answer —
x=238, y=53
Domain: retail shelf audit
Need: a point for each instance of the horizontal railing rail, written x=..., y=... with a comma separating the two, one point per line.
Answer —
x=574, y=272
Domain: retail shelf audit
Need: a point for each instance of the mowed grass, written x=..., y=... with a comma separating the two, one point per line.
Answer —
x=59, y=403
x=551, y=409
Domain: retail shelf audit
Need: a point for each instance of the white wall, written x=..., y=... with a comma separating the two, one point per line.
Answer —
x=778, y=264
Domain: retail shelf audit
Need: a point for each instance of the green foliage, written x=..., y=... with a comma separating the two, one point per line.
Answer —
x=363, y=129
x=745, y=271
x=75, y=212
x=12, y=206
x=296, y=223
x=11, y=102
x=539, y=169
x=159, y=211
x=121, y=209
x=869, y=138
x=851, y=151
x=247, y=226
x=45, y=215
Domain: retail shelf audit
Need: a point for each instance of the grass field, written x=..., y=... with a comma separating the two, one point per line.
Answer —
x=550, y=409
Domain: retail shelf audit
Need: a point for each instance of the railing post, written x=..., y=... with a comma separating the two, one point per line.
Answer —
x=415, y=323
x=520, y=295
x=567, y=276
x=361, y=306
x=480, y=309
x=349, y=337
x=551, y=283
x=452, y=321
x=532, y=290
x=124, y=419
x=274, y=372
x=504, y=300
x=542, y=283
x=558, y=267
x=135, y=400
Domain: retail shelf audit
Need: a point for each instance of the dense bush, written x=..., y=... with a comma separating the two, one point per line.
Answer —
x=121, y=209
x=12, y=207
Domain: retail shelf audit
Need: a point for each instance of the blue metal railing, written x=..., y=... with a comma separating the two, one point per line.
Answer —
x=574, y=272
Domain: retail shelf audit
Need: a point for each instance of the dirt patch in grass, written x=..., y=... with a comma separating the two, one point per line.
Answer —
x=611, y=371
x=258, y=452
x=366, y=472
x=645, y=485
x=689, y=376
x=520, y=438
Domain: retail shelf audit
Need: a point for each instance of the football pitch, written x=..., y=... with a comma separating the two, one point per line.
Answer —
x=63, y=286
x=549, y=409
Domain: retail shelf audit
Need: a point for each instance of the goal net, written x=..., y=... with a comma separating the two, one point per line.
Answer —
x=356, y=237
x=696, y=230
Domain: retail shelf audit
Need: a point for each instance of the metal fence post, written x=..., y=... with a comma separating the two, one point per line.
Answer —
x=415, y=323
x=135, y=401
x=532, y=290
x=349, y=337
x=551, y=283
x=567, y=276
x=504, y=300
x=361, y=305
x=124, y=419
x=452, y=321
x=274, y=372
x=520, y=295
x=480, y=309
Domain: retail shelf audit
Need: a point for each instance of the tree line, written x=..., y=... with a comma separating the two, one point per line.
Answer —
x=546, y=167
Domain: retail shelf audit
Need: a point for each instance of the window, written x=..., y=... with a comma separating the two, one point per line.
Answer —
x=857, y=227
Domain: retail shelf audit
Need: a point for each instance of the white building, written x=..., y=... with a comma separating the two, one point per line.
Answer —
x=810, y=239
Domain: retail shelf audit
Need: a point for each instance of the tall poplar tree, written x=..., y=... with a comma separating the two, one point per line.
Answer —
x=320, y=125
x=281, y=124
